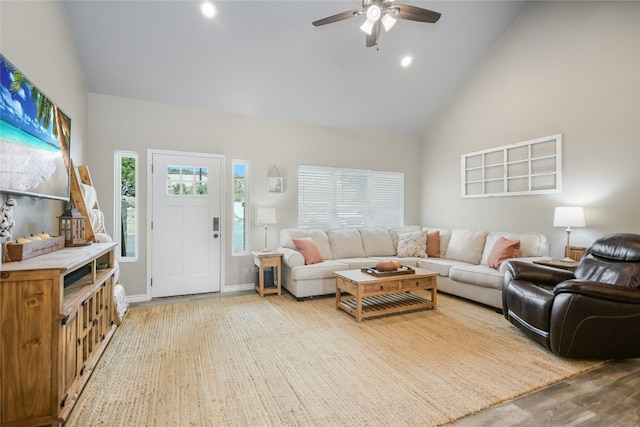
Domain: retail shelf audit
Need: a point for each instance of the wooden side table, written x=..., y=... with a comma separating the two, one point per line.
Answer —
x=574, y=252
x=558, y=263
x=262, y=260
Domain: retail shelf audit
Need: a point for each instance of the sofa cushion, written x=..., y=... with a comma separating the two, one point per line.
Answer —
x=479, y=275
x=377, y=242
x=321, y=270
x=394, y=233
x=531, y=244
x=308, y=249
x=358, y=263
x=413, y=243
x=318, y=236
x=440, y=265
x=346, y=243
x=503, y=250
x=466, y=246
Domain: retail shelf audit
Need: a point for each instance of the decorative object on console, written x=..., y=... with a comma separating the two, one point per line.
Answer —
x=6, y=219
x=34, y=246
x=568, y=216
x=266, y=217
x=72, y=227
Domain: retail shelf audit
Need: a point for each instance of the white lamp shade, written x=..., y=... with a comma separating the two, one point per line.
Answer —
x=367, y=27
x=568, y=217
x=266, y=216
x=388, y=21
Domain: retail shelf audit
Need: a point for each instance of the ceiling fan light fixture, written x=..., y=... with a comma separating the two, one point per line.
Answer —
x=388, y=21
x=373, y=13
x=208, y=9
x=367, y=27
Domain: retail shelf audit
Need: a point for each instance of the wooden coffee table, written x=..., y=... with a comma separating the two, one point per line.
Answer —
x=368, y=295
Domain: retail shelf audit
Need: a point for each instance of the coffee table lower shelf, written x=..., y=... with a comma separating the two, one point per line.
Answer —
x=380, y=305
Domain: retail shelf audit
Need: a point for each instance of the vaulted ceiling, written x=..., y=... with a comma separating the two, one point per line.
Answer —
x=265, y=58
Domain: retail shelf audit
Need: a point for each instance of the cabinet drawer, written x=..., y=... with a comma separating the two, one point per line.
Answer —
x=390, y=286
x=422, y=283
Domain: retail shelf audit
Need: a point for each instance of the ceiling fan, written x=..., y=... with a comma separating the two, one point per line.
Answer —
x=382, y=13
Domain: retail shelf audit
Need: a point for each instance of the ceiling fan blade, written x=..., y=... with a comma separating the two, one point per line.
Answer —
x=413, y=13
x=339, y=17
x=372, y=39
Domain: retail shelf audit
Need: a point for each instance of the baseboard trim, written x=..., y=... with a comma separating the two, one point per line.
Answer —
x=238, y=288
x=137, y=298
x=226, y=289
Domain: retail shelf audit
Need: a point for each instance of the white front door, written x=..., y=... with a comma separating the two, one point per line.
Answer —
x=186, y=223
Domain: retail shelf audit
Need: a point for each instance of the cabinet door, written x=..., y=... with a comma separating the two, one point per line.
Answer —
x=86, y=331
x=69, y=371
x=26, y=349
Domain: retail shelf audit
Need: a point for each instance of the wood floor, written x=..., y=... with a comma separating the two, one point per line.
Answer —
x=608, y=396
x=603, y=397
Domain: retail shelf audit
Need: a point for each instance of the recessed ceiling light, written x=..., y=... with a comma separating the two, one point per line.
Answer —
x=208, y=9
x=406, y=61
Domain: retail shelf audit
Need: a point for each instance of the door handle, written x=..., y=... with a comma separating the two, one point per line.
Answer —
x=216, y=223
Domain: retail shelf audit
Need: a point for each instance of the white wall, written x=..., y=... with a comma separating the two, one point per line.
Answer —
x=35, y=37
x=563, y=67
x=128, y=124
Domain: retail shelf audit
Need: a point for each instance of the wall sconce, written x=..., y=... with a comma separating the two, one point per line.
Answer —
x=266, y=217
x=568, y=217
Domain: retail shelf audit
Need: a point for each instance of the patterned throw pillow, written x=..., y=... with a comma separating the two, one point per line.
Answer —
x=412, y=244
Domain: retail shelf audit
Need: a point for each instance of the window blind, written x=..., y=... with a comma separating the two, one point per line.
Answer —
x=349, y=198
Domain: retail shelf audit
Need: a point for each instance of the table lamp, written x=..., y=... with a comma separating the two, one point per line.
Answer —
x=266, y=217
x=568, y=217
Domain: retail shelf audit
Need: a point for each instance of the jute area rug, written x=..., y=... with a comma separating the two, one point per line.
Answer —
x=251, y=361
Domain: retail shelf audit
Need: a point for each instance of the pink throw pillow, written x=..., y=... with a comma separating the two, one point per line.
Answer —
x=433, y=244
x=308, y=249
x=503, y=250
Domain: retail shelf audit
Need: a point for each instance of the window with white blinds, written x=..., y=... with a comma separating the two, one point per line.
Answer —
x=348, y=198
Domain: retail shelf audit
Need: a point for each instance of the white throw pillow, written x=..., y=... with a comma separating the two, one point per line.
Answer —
x=466, y=246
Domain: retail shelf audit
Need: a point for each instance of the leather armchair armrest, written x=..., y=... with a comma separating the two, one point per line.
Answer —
x=598, y=290
x=537, y=274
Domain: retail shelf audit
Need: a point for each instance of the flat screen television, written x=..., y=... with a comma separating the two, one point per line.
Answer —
x=35, y=138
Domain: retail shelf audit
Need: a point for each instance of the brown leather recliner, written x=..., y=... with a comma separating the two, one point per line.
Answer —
x=592, y=313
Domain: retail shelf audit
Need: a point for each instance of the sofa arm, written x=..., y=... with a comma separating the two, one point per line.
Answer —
x=291, y=257
x=536, y=274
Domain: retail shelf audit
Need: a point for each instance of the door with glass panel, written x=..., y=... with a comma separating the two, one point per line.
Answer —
x=186, y=224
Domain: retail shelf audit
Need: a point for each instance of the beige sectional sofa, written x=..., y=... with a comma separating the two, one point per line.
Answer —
x=462, y=262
